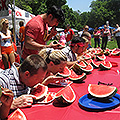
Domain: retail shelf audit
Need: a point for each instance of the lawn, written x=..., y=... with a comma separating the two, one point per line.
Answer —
x=111, y=44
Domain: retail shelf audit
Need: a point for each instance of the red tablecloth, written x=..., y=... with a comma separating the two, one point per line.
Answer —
x=73, y=111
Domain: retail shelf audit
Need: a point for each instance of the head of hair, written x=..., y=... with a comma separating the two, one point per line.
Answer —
x=56, y=56
x=32, y=64
x=2, y=21
x=21, y=23
x=77, y=39
x=56, y=12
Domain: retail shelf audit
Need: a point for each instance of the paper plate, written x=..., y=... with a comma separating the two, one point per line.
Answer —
x=94, y=104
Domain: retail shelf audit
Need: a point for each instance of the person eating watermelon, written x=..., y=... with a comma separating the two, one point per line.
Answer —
x=20, y=78
x=75, y=49
x=56, y=62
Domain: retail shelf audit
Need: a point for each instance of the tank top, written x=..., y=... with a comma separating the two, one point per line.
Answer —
x=5, y=40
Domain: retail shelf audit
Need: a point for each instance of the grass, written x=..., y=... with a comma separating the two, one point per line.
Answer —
x=110, y=44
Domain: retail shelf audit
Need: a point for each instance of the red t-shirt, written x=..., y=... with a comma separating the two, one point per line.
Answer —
x=96, y=34
x=38, y=30
x=69, y=33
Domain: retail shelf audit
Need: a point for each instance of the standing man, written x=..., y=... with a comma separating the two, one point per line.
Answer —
x=69, y=33
x=36, y=31
x=117, y=35
x=105, y=34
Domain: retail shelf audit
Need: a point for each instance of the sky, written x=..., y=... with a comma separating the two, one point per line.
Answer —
x=82, y=5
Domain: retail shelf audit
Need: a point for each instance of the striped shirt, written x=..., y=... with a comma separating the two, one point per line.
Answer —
x=9, y=78
x=69, y=54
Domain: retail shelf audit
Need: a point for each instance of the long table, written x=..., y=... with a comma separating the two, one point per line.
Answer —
x=74, y=111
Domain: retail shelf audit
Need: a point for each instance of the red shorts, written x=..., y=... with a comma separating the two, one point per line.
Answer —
x=6, y=50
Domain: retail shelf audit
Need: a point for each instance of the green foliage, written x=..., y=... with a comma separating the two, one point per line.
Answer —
x=101, y=11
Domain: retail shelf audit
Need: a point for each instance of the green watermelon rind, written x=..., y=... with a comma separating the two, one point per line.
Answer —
x=103, y=67
x=63, y=75
x=80, y=65
x=107, y=96
x=78, y=79
x=86, y=71
x=94, y=65
x=112, y=53
x=44, y=94
x=62, y=98
x=87, y=58
x=99, y=58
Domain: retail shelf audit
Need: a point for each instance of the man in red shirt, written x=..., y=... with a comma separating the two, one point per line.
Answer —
x=69, y=33
x=36, y=31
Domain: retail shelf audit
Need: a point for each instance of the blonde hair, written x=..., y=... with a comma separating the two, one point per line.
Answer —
x=56, y=56
x=2, y=21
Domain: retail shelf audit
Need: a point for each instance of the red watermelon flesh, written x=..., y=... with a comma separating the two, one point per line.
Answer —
x=39, y=91
x=67, y=94
x=17, y=115
x=101, y=91
x=88, y=61
x=64, y=73
x=96, y=63
x=88, y=68
x=75, y=77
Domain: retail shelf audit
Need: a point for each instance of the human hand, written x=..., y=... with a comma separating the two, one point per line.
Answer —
x=7, y=97
x=23, y=101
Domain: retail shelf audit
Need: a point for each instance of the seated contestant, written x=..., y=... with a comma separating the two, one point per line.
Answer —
x=19, y=77
x=56, y=61
x=76, y=48
x=6, y=101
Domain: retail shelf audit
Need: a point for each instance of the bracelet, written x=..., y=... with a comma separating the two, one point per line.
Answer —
x=78, y=61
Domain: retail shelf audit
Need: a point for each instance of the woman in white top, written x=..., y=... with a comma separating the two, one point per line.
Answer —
x=6, y=47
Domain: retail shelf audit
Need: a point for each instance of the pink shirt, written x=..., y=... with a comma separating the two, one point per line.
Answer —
x=38, y=30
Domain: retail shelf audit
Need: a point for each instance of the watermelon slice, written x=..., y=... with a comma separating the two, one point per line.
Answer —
x=87, y=56
x=115, y=52
x=102, y=57
x=48, y=98
x=39, y=91
x=65, y=73
x=88, y=61
x=17, y=115
x=102, y=91
x=99, y=52
x=66, y=95
x=87, y=69
x=105, y=65
x=96, y=63
x=77, y=78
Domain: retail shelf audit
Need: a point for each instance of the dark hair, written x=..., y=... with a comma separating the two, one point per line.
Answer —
x=21, y=23
x=32, y=64
x=57, y=13
x=77, y=39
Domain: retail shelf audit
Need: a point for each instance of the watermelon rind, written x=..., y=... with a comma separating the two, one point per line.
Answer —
x=103, y=57
x=87, y=57
x=43, y=94
x=64, y=75
x=115, y=53
x=16, y=113
x=79, y=78
x=62, y=99
x=85, y=70
x=104, y=67
x=105, y=96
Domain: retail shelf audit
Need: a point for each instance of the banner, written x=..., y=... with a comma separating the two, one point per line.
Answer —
x=4, y=8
